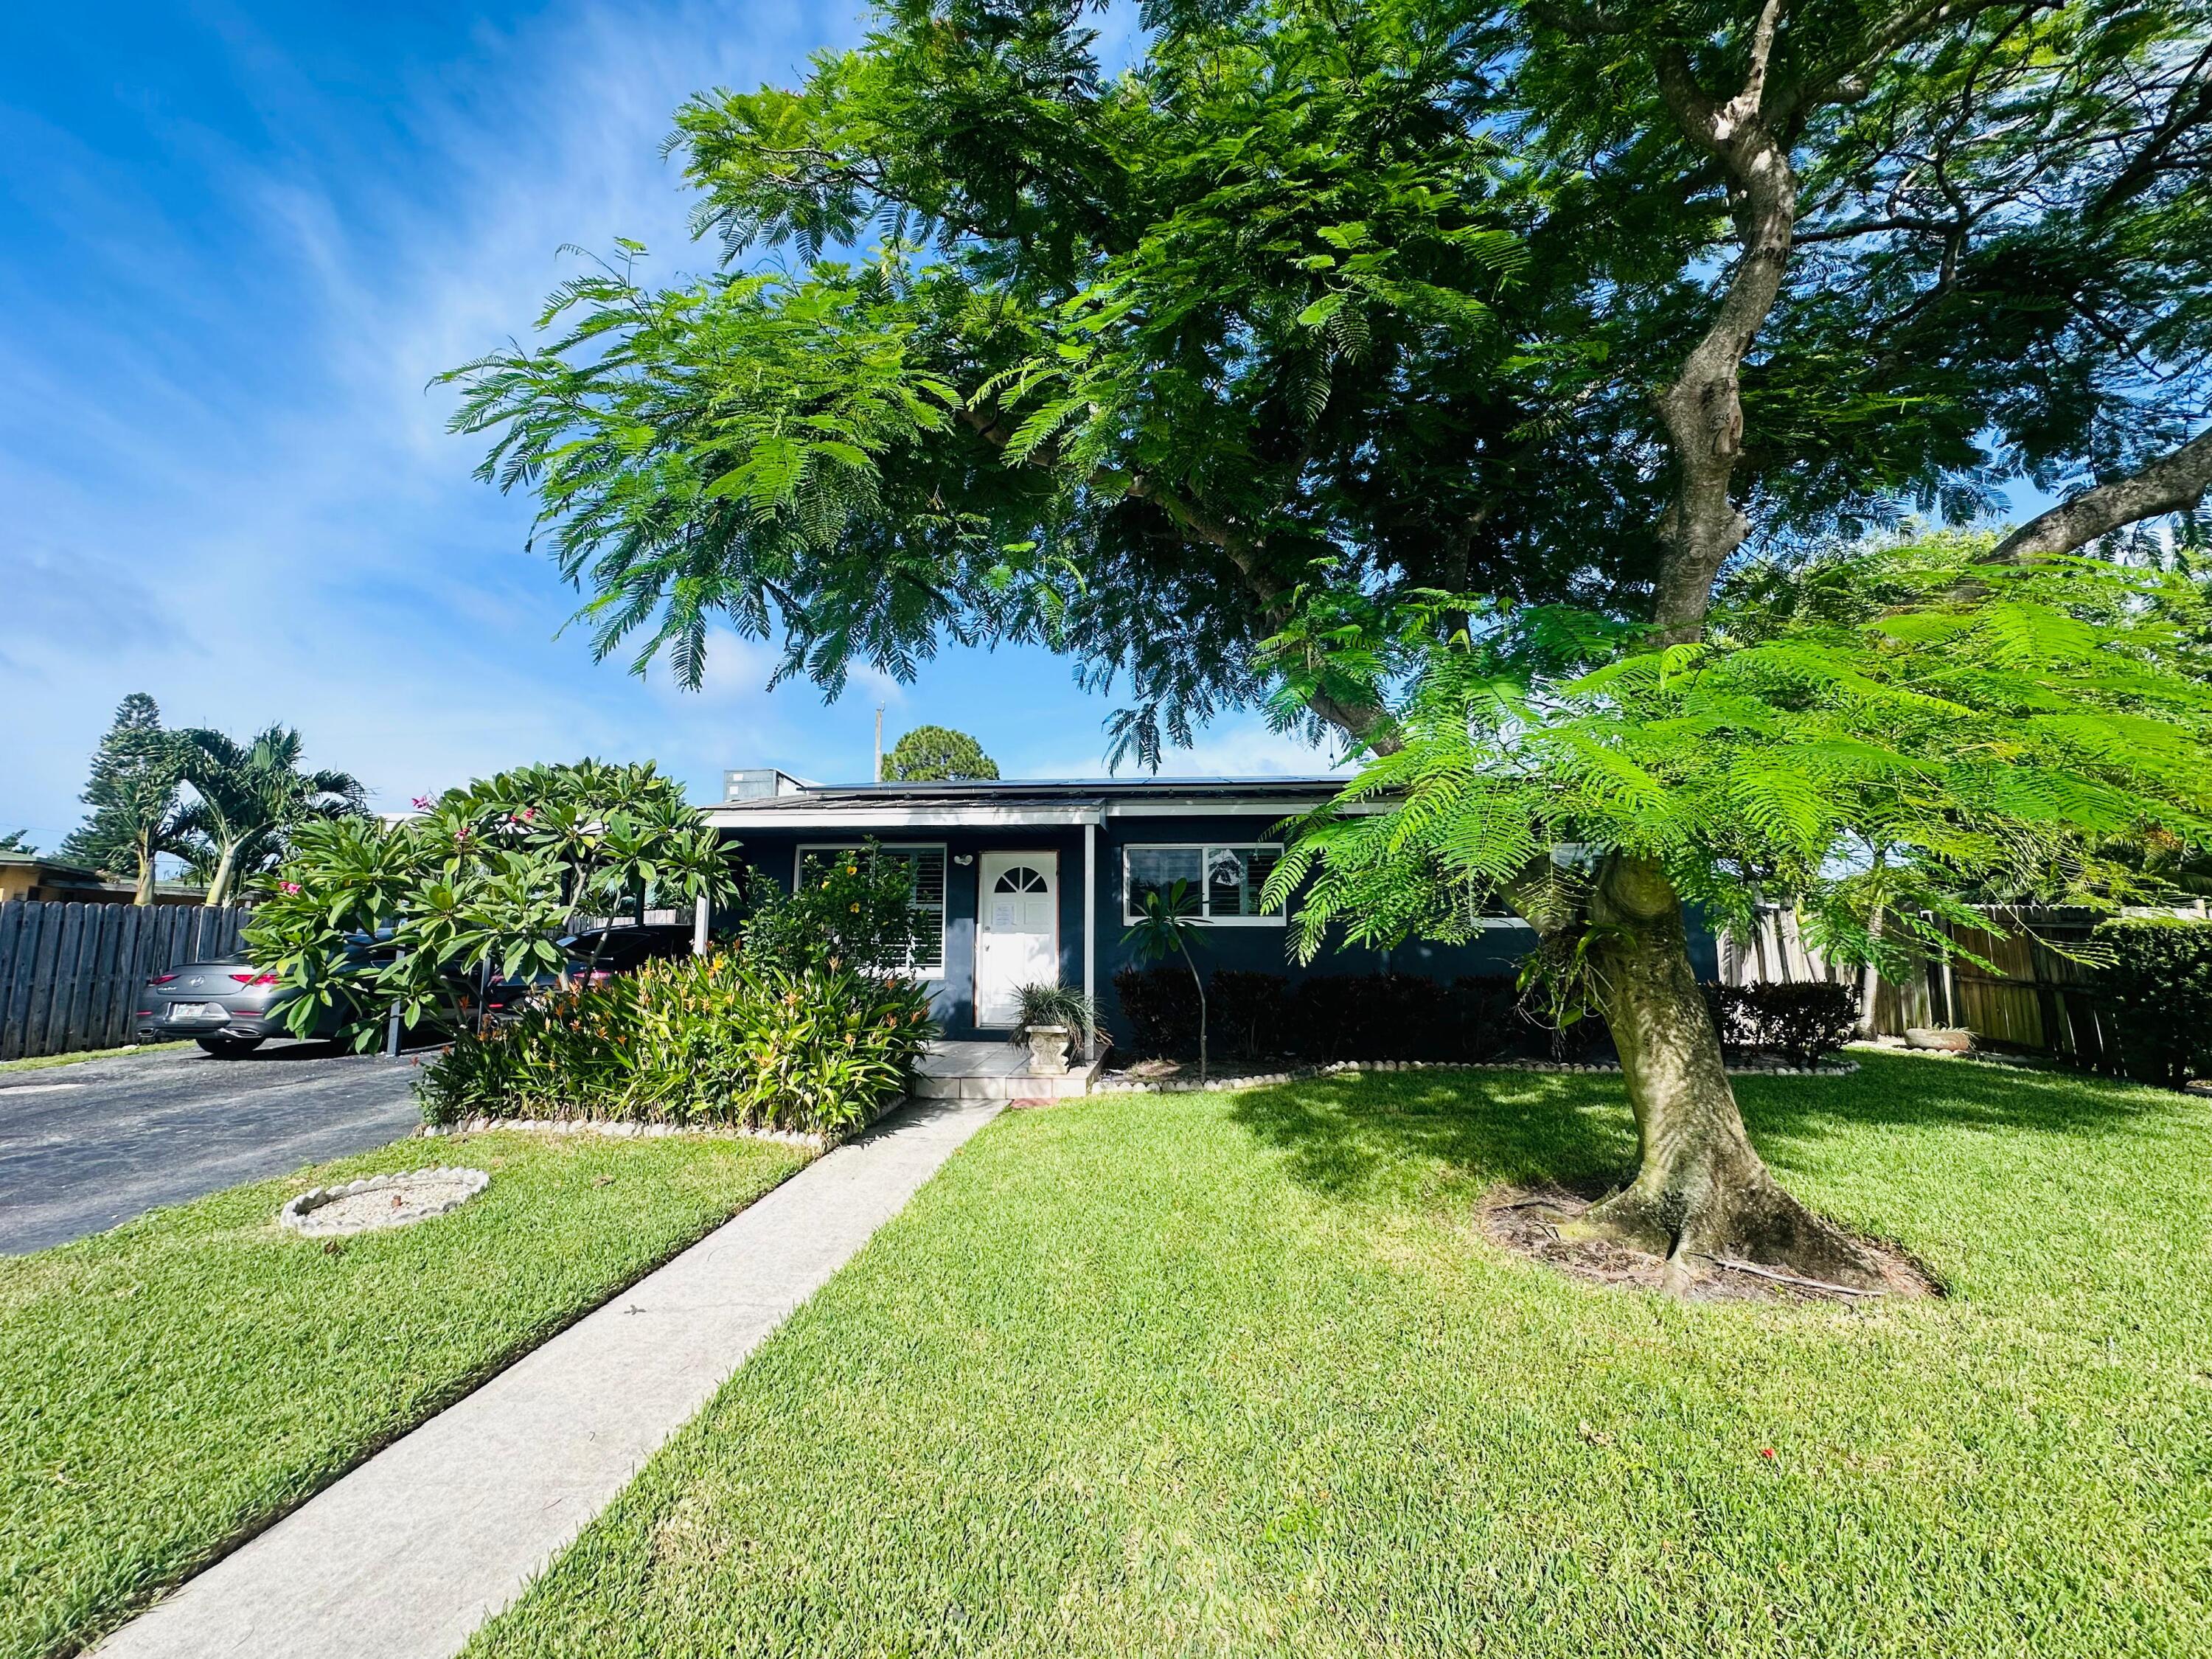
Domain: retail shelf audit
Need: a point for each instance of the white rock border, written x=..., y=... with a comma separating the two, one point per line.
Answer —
x=1110, y=1086
x=298, y=1213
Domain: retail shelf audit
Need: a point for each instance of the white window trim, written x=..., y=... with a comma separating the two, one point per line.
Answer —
x=944, y=906
x=1129, y=916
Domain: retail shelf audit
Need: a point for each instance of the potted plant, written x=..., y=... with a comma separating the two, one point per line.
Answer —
x=1051, y=1017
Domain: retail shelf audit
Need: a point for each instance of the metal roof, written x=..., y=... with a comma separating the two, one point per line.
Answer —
x=1023, y=801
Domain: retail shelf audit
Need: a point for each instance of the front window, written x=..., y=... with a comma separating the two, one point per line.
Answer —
x=1225, y=879
x=926, y=944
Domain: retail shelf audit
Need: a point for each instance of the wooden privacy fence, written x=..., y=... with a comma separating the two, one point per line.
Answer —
x=2040, y=998
x=71, y=973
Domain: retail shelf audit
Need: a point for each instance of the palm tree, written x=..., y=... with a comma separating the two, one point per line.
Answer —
x=251, y=796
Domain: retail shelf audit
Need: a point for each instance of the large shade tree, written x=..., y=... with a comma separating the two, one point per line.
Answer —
x=134, y=798
x=1326, y=338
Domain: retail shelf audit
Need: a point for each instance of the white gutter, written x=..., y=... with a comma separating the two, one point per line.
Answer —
x=896, y=817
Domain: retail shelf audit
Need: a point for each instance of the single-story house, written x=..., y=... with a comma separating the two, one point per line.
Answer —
x=1028, y=880
x=30, y=877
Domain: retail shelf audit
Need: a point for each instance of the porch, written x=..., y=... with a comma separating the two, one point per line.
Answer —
x=996, y=1071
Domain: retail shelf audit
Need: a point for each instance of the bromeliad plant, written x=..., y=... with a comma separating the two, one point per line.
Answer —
x=409, y=918
x=1895, y=732
x=716, y=1041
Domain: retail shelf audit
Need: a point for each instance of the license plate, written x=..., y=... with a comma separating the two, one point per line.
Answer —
x=199, y=1011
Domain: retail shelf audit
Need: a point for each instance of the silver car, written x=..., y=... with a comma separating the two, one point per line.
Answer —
x=229, y=1006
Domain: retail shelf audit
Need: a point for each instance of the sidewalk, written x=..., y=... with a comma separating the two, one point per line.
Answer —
x=405, y=1557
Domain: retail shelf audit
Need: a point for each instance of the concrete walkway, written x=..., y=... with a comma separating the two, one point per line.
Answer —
x=410, y=1553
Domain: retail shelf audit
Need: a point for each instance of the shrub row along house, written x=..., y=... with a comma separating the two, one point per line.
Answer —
x=1026, y=881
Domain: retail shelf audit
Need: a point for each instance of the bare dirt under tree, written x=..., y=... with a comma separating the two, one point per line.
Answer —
x=1528, y=1221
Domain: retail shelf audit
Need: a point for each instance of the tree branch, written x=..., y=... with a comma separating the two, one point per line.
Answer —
x=2174, y=482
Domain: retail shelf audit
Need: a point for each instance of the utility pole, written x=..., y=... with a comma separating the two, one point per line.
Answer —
x=879, y=742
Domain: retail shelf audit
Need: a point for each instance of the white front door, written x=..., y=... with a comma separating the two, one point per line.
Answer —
x=1017, y=930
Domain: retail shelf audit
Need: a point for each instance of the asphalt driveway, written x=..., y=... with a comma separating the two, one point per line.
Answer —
x=85, y=1146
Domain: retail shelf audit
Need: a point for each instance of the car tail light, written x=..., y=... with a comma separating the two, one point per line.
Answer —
x=161, y=979
x=255, y=979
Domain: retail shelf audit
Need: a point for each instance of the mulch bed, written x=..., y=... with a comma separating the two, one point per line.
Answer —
x=1521, y=1219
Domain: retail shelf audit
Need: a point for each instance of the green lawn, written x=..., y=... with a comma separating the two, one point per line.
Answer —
x=172, y=1386
x=1201, y=1374
x=78, y=1056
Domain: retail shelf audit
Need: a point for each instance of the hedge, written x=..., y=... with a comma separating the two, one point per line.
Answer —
x=1392, y=1016
x=2153, y=986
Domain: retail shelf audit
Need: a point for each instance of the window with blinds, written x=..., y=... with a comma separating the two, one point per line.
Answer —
x=926, y=945
x=1224, y=879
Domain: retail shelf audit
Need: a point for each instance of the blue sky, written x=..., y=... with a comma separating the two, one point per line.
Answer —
x=240, y=240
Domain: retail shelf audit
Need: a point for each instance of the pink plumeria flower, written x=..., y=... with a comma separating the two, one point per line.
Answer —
x=289, y=886
x=423, y=803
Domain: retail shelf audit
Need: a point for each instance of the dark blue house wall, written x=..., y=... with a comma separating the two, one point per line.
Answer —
x=772, y=853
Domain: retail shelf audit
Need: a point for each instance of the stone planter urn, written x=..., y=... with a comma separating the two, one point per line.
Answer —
x=1943, y=1040
x=1047, y=1050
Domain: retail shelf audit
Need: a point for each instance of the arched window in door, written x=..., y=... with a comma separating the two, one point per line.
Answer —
x=1021, y=879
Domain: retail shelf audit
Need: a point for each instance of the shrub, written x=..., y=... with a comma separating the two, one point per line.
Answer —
x=707, y=1041
x=1161, y=1007
x=1332, y=1017
x=2155, y=985
x=1803, y=1021
x=852, y=911
x=1250, y=1012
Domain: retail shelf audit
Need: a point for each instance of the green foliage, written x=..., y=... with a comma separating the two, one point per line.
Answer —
x=1897, y=728
x=368, y=917
x=1386, y=285
x=17, y=841
x=2153, y=981
x=251, y=796
x=719, y=1041
x=1054, y=1004
x=936, y=754
x=137, y=778
x=1803, y=1021
x=1168, y=925
x=853, y=912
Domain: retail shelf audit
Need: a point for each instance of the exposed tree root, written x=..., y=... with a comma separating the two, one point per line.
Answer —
x=1598, y=1244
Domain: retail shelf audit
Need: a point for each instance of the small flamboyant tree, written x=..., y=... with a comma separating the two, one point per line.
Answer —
x=1324, y=334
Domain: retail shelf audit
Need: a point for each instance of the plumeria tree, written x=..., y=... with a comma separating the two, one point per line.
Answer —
x=410, y=917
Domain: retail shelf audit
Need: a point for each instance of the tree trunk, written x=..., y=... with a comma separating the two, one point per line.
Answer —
x=146, y=871
x=1700, y=1192
x=219, y=885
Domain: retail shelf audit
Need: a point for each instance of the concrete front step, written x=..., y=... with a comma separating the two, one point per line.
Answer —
x=1018, y=1086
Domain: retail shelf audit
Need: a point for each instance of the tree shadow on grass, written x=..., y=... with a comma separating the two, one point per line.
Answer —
x=1364, y=1135
x=1904, y=1091
x=1355, y=1135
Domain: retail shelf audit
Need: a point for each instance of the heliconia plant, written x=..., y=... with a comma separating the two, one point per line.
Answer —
x=719, y=1040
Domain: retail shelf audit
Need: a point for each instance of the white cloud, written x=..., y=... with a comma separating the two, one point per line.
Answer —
x=240, y=496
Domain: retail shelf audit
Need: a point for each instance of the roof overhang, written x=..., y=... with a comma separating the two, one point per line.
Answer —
x=978, y=816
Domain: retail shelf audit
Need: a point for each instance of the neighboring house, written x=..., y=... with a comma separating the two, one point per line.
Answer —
x=1022, y=880
x=27, y=876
